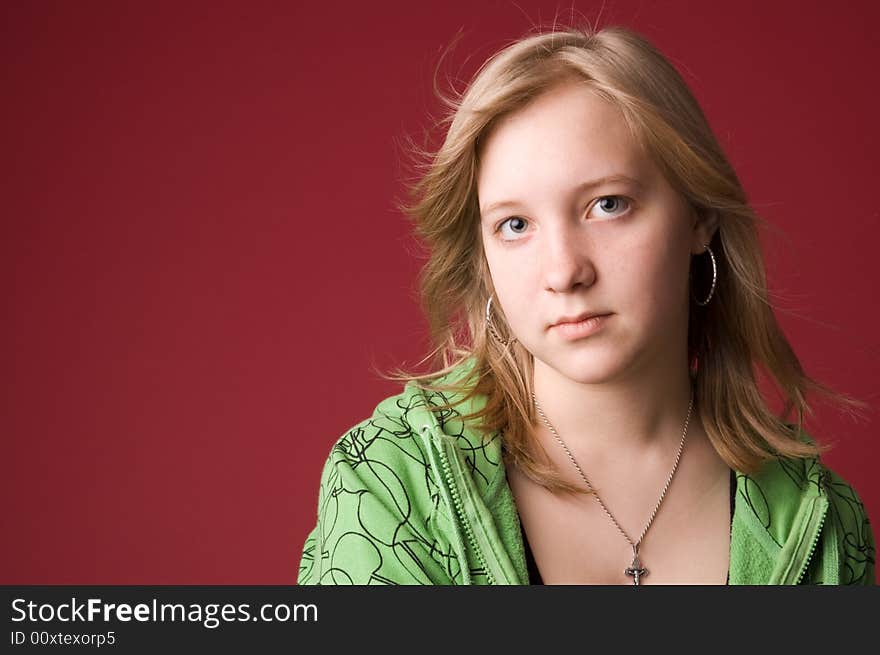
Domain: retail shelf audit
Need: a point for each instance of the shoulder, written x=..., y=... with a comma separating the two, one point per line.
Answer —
x=802, y=477
x=379, y=517
x=846, y=509
x=391, y=434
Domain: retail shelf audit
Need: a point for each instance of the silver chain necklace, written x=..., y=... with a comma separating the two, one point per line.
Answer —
x=636, y=570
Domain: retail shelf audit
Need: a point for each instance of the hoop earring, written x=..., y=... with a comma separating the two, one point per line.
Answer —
x=714, y=278
x=491, y=327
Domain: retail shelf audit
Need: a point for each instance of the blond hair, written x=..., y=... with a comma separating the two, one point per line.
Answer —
x=734, y=338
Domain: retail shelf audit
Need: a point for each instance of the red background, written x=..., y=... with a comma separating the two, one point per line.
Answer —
x=201, y=259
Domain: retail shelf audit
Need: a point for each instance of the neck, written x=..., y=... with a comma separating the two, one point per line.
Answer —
x=637, y=419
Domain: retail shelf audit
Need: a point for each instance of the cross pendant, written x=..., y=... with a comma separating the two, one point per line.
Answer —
x=636, y=570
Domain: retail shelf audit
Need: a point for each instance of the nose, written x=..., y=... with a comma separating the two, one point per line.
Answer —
x=566, y=259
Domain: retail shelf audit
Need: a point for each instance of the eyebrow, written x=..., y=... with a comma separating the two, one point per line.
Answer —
x=586, y=186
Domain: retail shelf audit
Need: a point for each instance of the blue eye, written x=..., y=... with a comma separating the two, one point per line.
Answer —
x=612, y=204
x=611, y=207
x=513, y=220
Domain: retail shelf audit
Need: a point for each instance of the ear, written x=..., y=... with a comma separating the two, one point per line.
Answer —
x=705, y=224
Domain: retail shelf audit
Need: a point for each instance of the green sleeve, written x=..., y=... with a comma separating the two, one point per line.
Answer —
x=854, y=532
x=869, y=576
x=374, y=523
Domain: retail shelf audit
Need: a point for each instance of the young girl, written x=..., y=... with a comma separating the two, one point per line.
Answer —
x=597, y=296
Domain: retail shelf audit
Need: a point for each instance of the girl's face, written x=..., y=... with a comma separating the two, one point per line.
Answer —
x=588, y=224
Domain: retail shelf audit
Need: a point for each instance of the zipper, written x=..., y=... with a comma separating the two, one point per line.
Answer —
x=459, y=510
x=818, y=534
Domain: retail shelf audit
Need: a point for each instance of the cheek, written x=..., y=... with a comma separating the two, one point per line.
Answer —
x=514, y=284
x=506, y=270
x=656, y=273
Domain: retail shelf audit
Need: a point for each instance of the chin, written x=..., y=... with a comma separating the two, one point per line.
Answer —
x=585, y=367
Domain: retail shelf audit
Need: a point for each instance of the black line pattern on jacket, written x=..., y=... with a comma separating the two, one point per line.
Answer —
x=857, y=544
x=757, y=502
x=389, y=533
x=846, y=516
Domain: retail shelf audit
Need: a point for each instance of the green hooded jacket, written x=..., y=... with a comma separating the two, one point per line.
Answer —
x=409, y=496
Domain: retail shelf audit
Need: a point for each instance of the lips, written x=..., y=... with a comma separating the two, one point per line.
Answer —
x=577, y=318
